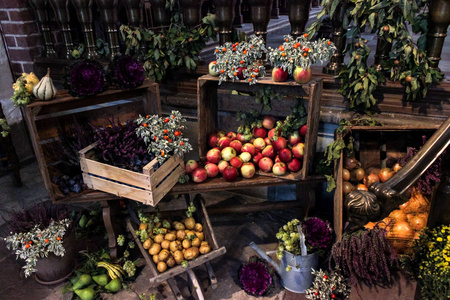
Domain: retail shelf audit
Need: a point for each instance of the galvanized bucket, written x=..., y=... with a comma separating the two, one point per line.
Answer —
x=299, y=278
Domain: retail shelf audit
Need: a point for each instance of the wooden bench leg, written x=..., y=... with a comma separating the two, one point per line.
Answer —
x=196, y=289
x=175, y=290
x=110, y=210
x=212, y=276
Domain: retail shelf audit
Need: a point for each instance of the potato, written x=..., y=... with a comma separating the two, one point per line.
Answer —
x=204, y=249
x=165, y=244
x=171, y=262
x=181, y=235
x=198, y=227
x=189, y=233
x=179, y=226
x=161, y=267
x=156, y=259
x=200, y=235
x=204, y=243
x=191, y=253
x=158, y=238
x=164, y=255
x=158, y=224
x=143, y=226
x=196, y=242
x=189, y=223
x=178, y=256
x=170, y=237
x=186, y=244
x=154, y=249
x=147, y=244
x=175, y=245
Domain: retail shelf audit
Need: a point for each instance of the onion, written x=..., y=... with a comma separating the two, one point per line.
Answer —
x=347, y=187
x=351, y=163
x=369, y=225
x=410, y=217
x=371, y=178
x=357, y=175
x=402, y=230
x=398, y=215
x=396, y=167
x=418, y=223
x=385, y=174
x=345, y=175
x=404, y=206
x=361, y=187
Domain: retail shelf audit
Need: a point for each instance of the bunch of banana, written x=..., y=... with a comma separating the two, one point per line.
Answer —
x=114, y=271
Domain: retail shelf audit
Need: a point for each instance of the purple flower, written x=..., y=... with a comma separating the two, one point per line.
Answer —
x=255, y=278
x=128, y=72
x=318, y=233
x=85, y=78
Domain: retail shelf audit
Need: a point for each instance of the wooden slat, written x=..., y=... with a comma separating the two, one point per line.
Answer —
x=147, y=258
x=164, y=170
x=166, y=185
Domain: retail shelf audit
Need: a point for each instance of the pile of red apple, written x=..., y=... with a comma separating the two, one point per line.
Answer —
x=233, y=153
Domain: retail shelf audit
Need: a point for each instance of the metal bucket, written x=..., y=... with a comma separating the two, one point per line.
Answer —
x=299, y=278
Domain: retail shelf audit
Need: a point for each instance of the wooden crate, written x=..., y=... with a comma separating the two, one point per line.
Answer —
x=217, y=108
x=376, y=146
x=201, y=216
x=148, y=187
x=44, y=117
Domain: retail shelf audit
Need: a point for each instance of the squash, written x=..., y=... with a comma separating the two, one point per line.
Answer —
x=45, y=89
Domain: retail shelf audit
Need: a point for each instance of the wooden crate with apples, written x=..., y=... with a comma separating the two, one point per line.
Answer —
x=377, y=153
x=217, y=109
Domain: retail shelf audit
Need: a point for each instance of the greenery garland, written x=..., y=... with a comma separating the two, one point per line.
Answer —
x=4, y=127
x=408, y=61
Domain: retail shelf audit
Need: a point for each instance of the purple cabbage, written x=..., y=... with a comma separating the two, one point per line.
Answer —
x=255, y=278
x=318, y=233
x=128, y=72
x=85, y=78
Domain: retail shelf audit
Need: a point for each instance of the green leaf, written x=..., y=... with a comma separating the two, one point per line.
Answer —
x=331, y=183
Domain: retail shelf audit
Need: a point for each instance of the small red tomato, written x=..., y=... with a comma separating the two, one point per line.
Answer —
x=58, y=238
x=27, y=246
x=181, y=143
x=46, y=240
x=166, y=131
x=166, y=120
x=177, y=133
x=325, y=276
x=145, y=125
x=166, y=137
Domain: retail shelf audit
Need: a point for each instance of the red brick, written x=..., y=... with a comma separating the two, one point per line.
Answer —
x=27, y=68
x=13, y=4
x=23, y=15
x=29, y=41
x=24, y=54
x=17, y=28
x=4, y=16
x=10, y=41
x=17, y=69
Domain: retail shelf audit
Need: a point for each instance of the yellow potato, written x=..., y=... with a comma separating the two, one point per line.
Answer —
x=158, y=224
x=161, y=266
x=171, y=262
x=191, y=253
x=158, y=238
x=147, y=244
x=156, y=258
x=196, y=242
x=154, y=249
x=200, y=235
x=181, y=235
x=186, y=244
x=204, y=249
x=204, y=243
x=143, y=226
x=198, y=227
x=179, y=226
x=170, y=237
x=189, y=223
x=175, y=245
x=165, y=244
x=164, y=255
x=178, y=256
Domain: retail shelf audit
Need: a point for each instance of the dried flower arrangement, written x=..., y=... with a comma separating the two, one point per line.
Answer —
x=164, y=135
x=365, y=257
x=318, y=236
x=300, y=52
x=256, y=277
x=85, y=78
x=429, y=262
x=328, y=285
x=239, y=61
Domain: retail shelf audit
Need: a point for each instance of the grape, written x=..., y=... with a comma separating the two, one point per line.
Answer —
x=71, y=182
x=65, y=191
x=55, y=179
x=76, y=188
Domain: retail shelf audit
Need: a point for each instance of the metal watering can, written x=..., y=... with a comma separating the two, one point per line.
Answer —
x=299, y=278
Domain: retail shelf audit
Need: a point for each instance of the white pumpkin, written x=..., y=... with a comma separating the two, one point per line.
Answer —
x=45, y=89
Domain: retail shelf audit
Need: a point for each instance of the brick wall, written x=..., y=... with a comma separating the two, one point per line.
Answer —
x=21, y=33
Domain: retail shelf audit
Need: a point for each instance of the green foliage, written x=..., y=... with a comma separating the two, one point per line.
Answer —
x=408, y=63
x=170, y=47
x=4, y=127
x=191, y=209
x=294, y=121
x=22, y=96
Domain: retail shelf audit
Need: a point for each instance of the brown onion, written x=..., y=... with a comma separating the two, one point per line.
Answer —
x=345, y=175
x=396, y=167
x=402, y=230
x=347, y=187
x=370, y=179
x=385, y=174
x=361, y=187
x=351, y=163
x=357, y=175
x=418, y=223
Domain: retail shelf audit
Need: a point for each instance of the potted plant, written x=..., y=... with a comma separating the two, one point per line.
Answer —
x=296, y=56
x=300, y=245
x=41, y=235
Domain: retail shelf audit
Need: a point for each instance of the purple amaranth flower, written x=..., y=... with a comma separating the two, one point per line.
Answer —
x=85, y=78
x=128, y=72
x=318, y=233
x=255, y=278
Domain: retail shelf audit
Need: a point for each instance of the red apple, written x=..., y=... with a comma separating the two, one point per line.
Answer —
x=285, y=155
x=237, y=145
x=199, y=175
x=302, y=130
x=268, y=141
x=294, y=165
x=245, y=156
x=298, y=150
x=190, y=166
x=257, y=158
x=213, y=71
x=277, y=159
x=272, y=133
x=268, y=122
x=279, y=143
x=279, y=75
x=224, y=142
x=231, y=135
x=222, y=165
x=269, y=151
x=212, y=140
x=228, y=153
x=213, y=155
x=294, y=138
x=279, y=168
x=244, y=138
x=240, y=73
x=236, y=162
x=248, y=170
x=230, y=173
x=265, y=164
x=211, y=170
x=301, y=75
x=259, y=132
x=221, y=133
x=259, y=143
x=247, y=147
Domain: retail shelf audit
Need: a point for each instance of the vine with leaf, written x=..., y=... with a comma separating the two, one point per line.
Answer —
x=408, y=63
x=4, y=127
x=167, y=48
